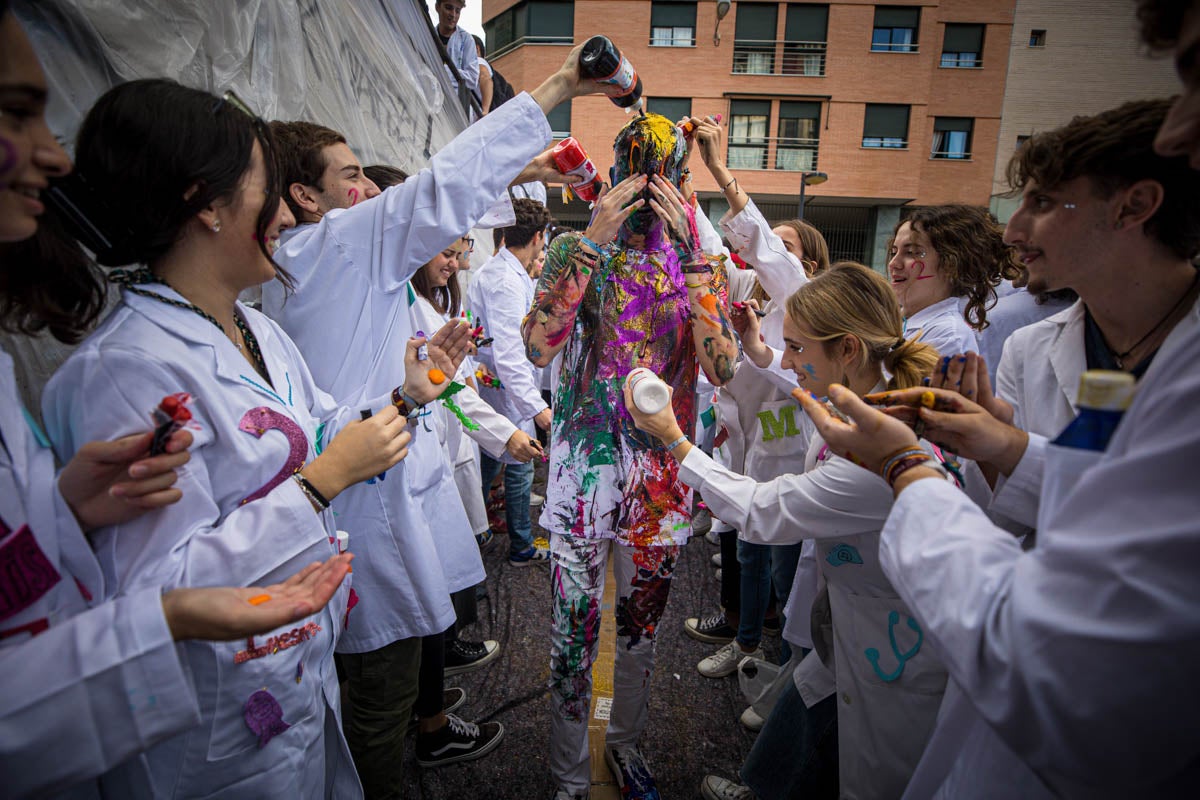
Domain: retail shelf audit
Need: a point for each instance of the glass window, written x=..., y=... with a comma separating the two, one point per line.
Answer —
x=673, y=108
x=804, y=35
x=952, y=137
x=748, y=120
x=798, y=134
x=672, y=24
x=1037, y=38
x=962, y=47
x=885, y=125
x=754, y=38
x=540, y=21
x=560, y=120
x=895, y=29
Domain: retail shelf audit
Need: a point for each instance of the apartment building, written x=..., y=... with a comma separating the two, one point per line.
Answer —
x=896, y=103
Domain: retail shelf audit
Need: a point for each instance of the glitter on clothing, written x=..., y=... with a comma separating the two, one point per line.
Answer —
x=264, y=716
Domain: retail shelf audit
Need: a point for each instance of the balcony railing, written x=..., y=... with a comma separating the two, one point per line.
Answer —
x=790, y=155
x=508, y=47
x=778, y=57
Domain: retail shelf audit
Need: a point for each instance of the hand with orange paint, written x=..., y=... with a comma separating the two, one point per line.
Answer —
x=233, y=612
x=447, y=348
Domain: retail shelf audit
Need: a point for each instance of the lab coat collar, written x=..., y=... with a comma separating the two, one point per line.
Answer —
x=513, y=263
x=922, y=317
x=228, y=363
x=1068, y=357
x=11, y=420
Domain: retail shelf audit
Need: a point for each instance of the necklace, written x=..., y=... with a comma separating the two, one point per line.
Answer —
x=1119, y=358
x=129, y=278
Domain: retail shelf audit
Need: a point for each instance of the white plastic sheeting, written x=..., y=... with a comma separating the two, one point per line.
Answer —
x=368, y=68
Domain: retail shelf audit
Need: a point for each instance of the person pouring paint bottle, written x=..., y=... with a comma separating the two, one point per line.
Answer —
x=843, y=326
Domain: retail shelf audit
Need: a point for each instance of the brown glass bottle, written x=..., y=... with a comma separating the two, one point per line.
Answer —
x=602, y=62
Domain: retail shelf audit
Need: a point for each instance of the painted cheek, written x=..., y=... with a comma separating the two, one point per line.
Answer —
x=920, y=268
x=353, y=195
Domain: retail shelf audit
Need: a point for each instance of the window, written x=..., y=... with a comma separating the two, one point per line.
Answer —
x=1037, y=38
x=804, y=36
x=560, y=120
x=748, y=121
x=672, y=24
x=962, y=47
x=673, y=108
x=885, y=126
x=952, y=137
x=895, y=29
x=1021, y=140
x=799, y=132
x=530, y=22
x=754, y=38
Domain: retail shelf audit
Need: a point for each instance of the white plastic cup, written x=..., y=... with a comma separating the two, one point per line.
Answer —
x=650, y=394
x=343, y=542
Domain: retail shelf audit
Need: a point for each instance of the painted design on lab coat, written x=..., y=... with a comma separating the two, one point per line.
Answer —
x=872, y=654
x=25, y=572
x=264, y=716
x=779, y=425
x=843, y=554
x=256, y=422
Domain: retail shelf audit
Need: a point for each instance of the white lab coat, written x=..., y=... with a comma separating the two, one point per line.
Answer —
x=1072, y=665
x=886, y=709
x=242, y=521
x=349, y=317
x=942, y=325
x=500, y=297
x=493, y=435
x=1039, y=371
x=108, y=666
x=1011, y=313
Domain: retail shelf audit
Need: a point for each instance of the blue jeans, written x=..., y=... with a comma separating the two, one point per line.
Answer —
x=761, y=565
x=796, y=753
x=518, y=483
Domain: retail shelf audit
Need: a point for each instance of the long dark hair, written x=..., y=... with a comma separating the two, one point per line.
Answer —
x=47, y=282
x=446, y=299
x=144, y=144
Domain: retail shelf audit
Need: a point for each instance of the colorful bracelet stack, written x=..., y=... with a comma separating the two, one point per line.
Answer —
x=407, y=406
x=902, y=461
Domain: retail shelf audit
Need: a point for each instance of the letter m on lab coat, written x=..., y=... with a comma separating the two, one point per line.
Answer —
x=778, y=427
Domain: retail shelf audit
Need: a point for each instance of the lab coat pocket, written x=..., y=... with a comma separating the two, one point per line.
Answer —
x=1064, y=468
x=887, y=647
x=262, y=664
x=776, y=440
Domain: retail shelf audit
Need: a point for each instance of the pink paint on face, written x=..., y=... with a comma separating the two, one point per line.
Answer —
x=353, y=195
x=921, y=276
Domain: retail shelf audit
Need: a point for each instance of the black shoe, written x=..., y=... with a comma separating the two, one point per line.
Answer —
x=452, y=700
x=458, y=741
x=712, y=629
x=465, y=656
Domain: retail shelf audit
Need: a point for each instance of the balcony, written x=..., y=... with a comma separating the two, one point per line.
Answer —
x=788, y=155
x=778, y=57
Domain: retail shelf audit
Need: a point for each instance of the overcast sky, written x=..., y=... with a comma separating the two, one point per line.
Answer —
x=471, y=18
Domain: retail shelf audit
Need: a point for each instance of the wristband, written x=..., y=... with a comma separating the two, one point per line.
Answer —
x=903, y=452
x=584, y=240
x=677, y=442
x=405, y=404
x=317, y=499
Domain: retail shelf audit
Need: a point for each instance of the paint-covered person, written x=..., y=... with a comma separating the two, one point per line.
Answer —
x=650, y=298
x=499, y=296
x=69, y=651
x=351, y=256
x=844, y=324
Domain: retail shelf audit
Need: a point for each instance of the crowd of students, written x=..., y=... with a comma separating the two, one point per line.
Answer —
x=971, y=604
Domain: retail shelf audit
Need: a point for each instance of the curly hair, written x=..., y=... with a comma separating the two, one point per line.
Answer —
x=1114, y=150
x=849, y=299
x=1161, y=20
x=971, y=252
x=532, y=217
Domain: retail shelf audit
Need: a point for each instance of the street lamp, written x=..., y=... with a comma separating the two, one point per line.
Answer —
x=722, y=10
x=809, y=179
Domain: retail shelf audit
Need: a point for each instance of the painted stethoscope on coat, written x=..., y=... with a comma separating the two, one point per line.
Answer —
x=901, y=658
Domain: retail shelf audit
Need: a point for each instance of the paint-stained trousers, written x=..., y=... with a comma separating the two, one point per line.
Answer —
x=643, y=576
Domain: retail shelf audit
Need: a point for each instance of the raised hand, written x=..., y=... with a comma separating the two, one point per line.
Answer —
x=967, y=374
x=868, y=439
x=675, y=212
x=614, y=207
x=107, y=483
x=361, y=450
x=745, y=322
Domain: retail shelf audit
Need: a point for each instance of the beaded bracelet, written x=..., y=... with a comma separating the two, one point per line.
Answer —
x=903, y=452
x=905, y=464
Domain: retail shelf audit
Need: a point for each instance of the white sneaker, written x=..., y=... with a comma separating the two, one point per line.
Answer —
x=751, y=720
x=725, y=661
x=713, y=537
x=715, y=560
x=717, y=788
x=536, y=499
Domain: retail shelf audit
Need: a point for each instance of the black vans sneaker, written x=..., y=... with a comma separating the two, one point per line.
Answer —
x=458, y=741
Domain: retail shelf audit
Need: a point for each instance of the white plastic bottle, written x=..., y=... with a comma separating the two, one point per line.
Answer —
x=650, y=394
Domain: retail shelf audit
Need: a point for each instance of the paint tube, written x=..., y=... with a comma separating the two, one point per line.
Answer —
x=687, y=128
x=570, y=158
x=171, y=415
x=650, y=394
x=1103, y=397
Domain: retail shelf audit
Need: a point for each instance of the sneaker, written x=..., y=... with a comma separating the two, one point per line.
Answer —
x=632, y=773
x=725, y=661
x=485, y=539
x=712, y=629
x=458, y=741
x=713, y=538
x=715, y=560
x=465, y=656
x=751, y=721
x=701, y=522
x=717, y=574
x=717, y=788
x=772, y=626
x=531, y=555
x=563, y=794
x=536, y=499
x=452, y=700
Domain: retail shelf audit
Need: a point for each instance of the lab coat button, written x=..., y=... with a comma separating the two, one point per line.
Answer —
x=846, y=698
